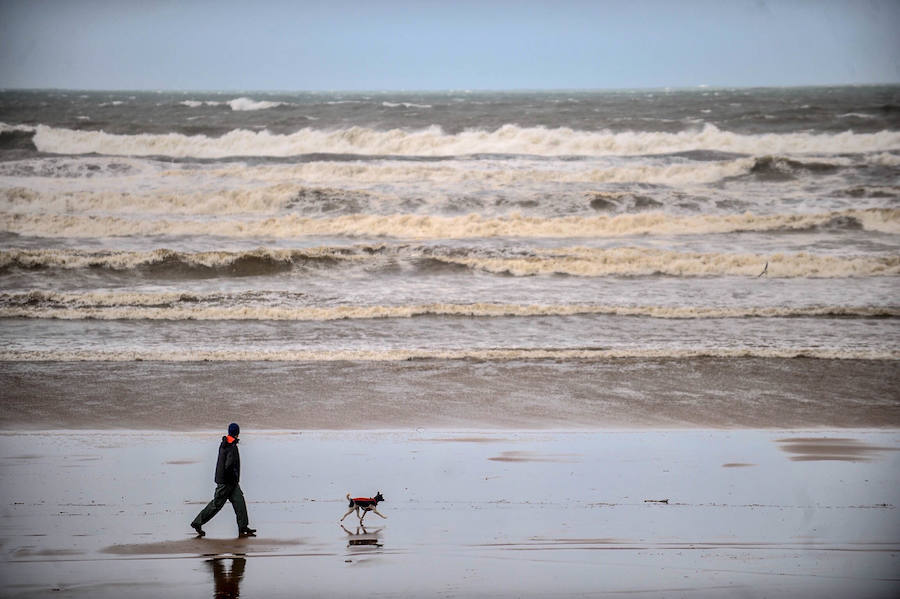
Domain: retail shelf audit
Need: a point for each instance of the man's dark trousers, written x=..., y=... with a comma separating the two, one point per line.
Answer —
x=225, y=493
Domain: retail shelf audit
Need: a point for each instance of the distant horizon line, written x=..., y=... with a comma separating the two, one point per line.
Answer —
x=444, y=90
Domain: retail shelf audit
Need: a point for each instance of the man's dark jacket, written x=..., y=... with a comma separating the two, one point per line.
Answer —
x=228, y=466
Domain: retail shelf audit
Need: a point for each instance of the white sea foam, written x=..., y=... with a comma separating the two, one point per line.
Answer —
x=412, y=226
x=199, y=103
x=856, y=115
x=404, y=105
x=193, y=306
x=485, y=172
x=72, y=174
x=166, y=201
x=591, y=262
x=243, y=104
x=432, y=141
x=886, y=159
x=4, y=128
x=496, y=173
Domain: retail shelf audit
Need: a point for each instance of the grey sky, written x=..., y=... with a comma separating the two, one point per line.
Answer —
x=462, y=44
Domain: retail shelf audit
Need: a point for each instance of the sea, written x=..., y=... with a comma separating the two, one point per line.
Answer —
x=692, y=237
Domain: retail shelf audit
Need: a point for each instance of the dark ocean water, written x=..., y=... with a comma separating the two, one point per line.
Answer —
x=370, y=227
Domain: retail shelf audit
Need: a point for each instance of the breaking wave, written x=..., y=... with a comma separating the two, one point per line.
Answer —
x=243, y=104
x=12, y=139
x=238, y=104
x=588, y=262
x=415, y=226
x=433, y=141
x=259, y=306
x=779, y=168
x=485, y=172
x=404, y=105
x=575, y=261
x=501, y=173
x=165, y=262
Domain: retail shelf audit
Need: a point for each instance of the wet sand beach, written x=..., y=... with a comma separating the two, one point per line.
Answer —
x=470, y=513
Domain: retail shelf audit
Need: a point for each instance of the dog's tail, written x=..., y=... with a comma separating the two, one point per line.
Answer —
x=350, y=500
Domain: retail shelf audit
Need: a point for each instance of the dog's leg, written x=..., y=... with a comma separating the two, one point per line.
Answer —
x=347, y=514
x=379, y=513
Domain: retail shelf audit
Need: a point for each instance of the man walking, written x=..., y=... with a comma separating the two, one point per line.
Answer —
x=228, y=476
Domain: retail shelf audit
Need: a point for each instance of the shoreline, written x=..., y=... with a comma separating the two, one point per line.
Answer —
x=744, y=393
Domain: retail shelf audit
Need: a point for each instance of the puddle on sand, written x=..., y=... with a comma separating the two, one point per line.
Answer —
x=528, y=456
x=467, y=440
x=29, y=552
x=203, y=546
x=814, y=449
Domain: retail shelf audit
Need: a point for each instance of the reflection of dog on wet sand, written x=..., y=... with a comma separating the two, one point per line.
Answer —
x=362, y=536
x=364, y=505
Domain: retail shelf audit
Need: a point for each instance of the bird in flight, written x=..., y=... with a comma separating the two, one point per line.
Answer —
x=765, y=270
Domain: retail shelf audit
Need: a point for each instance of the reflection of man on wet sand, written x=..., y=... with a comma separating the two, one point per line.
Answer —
x=228, y=582
x=228, y=488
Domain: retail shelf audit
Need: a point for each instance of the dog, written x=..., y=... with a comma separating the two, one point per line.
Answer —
x=365, y=505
